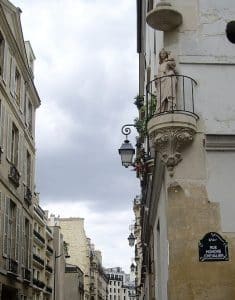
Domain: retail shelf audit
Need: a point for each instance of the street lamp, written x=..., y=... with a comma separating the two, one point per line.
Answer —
x=131, y=239
x=126, y=150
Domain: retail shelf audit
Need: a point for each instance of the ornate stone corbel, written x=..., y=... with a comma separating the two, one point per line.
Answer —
x=169, y=134
x=168, y=143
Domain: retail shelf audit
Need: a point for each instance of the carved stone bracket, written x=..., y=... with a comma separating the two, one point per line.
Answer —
x=168, y=142
x=169, y=135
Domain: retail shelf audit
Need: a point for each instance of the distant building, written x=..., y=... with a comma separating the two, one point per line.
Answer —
x=74, y=283
x=79, y=250
x=119, y=287
x=43, y=254
x=18, y=102
x=99, y=280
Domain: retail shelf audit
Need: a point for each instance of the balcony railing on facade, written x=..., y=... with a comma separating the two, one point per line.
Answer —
x=49, y=250
x=12, y=268
x=40, y=212
x=38, y=259
x=26, y=275
x=39, y=237
x=40, y=284
x=170, y=94
x=49, y=268
x=49, y=289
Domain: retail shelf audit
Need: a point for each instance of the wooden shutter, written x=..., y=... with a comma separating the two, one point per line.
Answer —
x=24, y=170
x=23, y=238
x=17, y=241
x=6, y=64
x=30, y=250
x=9, y=136
x=12, y=79
x=6, y=227
x=22, y=95
x=2, y=125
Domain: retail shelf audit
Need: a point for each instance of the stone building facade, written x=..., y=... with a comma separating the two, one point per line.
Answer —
x=120, y=287
x=79, y=247
x=43, y=254
x=18, y=102
x=186, y=150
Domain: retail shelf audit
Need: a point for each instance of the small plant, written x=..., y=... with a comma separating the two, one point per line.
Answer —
x=139, y=101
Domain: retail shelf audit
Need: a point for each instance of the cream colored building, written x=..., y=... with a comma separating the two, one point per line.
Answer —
x=186, y=149
x=18, y=103
x=79, y=247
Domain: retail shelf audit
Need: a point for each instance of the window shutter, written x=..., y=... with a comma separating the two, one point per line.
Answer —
x=2, y=125
x=6, y=227
x=22, y=95
x=20, y=151
x=9, y=136
x=12, y=79
x=24, y=171
x=17, y=246
x=23, y=238
x=32, y=172
x=30, y=250
x=26, y=110
x=6, y=64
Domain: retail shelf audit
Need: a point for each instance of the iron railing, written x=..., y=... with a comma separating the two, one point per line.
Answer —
x=170, y=94
x=12, y=266
x=38, y=259
x=39, y=237
x=49, y=269
x=26, y=274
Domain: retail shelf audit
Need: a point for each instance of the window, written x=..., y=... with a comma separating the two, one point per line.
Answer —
x=14, y=144
x=10, y=230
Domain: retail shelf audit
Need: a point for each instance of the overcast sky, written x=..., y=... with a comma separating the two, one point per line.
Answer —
x=86, y=73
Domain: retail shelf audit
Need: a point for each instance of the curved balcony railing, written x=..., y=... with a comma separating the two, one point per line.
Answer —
x=170, y=94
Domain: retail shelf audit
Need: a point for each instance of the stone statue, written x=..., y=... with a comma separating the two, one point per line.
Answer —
x=166, y=86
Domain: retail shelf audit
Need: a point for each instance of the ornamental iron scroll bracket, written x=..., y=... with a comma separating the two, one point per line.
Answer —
x=169, y=142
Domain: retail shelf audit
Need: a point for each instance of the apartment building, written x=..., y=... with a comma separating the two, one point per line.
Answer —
x=120, y=287
x=185, y=150
x=18, y=102
x=99, y=280
x=43, y=254
x=79, y=247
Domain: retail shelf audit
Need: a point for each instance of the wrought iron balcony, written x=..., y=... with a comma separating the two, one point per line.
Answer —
x=14, y=176
x=27, y=195
x=38, y=259
x=40, y=212
x=170, y=94
x=38, y=283
x=49, y=268
x=26, y=275
x=12, y=267
x=49, y=289
x=38, y=236
x=49, y=250
x=170, y=116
